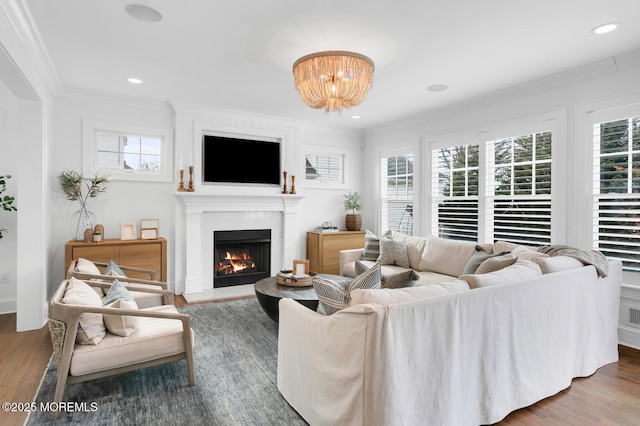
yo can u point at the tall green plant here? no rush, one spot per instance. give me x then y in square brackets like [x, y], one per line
[5, 201]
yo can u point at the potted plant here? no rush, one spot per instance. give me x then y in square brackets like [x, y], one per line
[6, 202]
[71, 183]
[353, 220]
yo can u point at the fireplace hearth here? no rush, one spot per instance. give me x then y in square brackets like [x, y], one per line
[241, 256]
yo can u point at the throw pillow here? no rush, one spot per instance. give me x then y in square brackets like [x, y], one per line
[408, 294]
[91, 329]
[400, 280]
[477, 259]
[113, 270]
[519, 270]
[371, 246]
[117, 291]
[495, 264]
[396, 280]
[334, 292]
[121, 325]
[85, 266]
[393, 252]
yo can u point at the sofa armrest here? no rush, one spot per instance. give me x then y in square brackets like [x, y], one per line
[348, 256]
[318, 354]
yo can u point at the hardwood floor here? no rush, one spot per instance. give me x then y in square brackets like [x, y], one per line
[611, 396]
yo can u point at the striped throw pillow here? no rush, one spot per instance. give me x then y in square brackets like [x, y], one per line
[334, 291]
[371, 246]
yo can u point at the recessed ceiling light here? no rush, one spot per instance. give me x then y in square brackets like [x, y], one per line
[437, 87]
[143, 13]
[133, 80]
[606, 28]
[355, 117]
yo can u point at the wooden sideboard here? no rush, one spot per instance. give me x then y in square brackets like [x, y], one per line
[146, 254]
[323, 249]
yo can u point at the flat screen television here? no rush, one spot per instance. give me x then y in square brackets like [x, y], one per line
[238, 160]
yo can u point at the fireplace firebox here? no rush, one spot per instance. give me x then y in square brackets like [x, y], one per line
[241, 256]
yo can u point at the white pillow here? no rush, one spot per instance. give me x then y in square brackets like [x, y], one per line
[389, 296]
[519, 270]
[121, 325]
[91, 328]
[445, 256]
[87, 267]
[557, 263]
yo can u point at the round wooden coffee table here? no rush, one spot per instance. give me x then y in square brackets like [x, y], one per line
[269, 293]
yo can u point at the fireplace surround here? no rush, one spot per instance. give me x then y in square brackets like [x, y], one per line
[198, 214]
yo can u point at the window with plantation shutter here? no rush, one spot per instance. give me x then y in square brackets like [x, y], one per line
[455, 178]
[494, 190]
[397, 193]
[127, 152]
[519, 189]
[616, 190]
[324, 167]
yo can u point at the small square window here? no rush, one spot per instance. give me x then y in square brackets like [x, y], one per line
[126, 152]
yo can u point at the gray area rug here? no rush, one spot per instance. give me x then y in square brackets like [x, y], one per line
[235, 357]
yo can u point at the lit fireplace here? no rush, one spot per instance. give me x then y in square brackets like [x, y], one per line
[235, 264]
[241, 257]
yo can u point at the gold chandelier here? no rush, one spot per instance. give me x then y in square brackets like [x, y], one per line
[333, 80]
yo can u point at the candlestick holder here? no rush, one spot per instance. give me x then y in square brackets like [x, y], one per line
[190, 187]
[284, 188]
[293, 185]
[181, 186]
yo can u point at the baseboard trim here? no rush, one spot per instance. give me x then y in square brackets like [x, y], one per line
[8, 306]
[629, 336]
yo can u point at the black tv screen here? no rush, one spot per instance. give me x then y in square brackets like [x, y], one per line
[235, 160]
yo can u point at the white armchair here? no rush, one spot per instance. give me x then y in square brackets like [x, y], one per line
[143, 337]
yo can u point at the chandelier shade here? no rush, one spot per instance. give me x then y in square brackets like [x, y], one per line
[333, 80]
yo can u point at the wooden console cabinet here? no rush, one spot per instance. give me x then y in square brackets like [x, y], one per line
[147, 254]
[323, 249]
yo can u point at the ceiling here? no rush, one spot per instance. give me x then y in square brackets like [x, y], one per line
[238, 54]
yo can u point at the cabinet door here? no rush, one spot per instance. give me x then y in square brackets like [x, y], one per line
[332, 246]
[97, 253]
[146, 256]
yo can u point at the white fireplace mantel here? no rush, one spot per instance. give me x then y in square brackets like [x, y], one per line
[189, 236]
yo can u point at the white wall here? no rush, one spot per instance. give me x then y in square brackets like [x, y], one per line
[8, 220]
[132, 201]
[569, 95]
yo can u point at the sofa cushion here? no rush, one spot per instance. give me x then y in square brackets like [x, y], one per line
[428, 278]
[527, 253]
[334, 291]
[155, 338]
[405, 278]
[371, 246]
[445, 256]
[393, 252]
[121, 325]
[552, 264]
[493, 264]
[407, 294]
[519, 270]
[91, 328]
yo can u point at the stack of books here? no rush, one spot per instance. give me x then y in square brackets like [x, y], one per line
[329, 229]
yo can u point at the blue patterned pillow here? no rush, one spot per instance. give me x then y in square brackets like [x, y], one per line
[334, 291]
[113, 269]
[117, 291]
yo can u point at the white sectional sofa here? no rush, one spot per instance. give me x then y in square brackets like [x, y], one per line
[441, 353]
